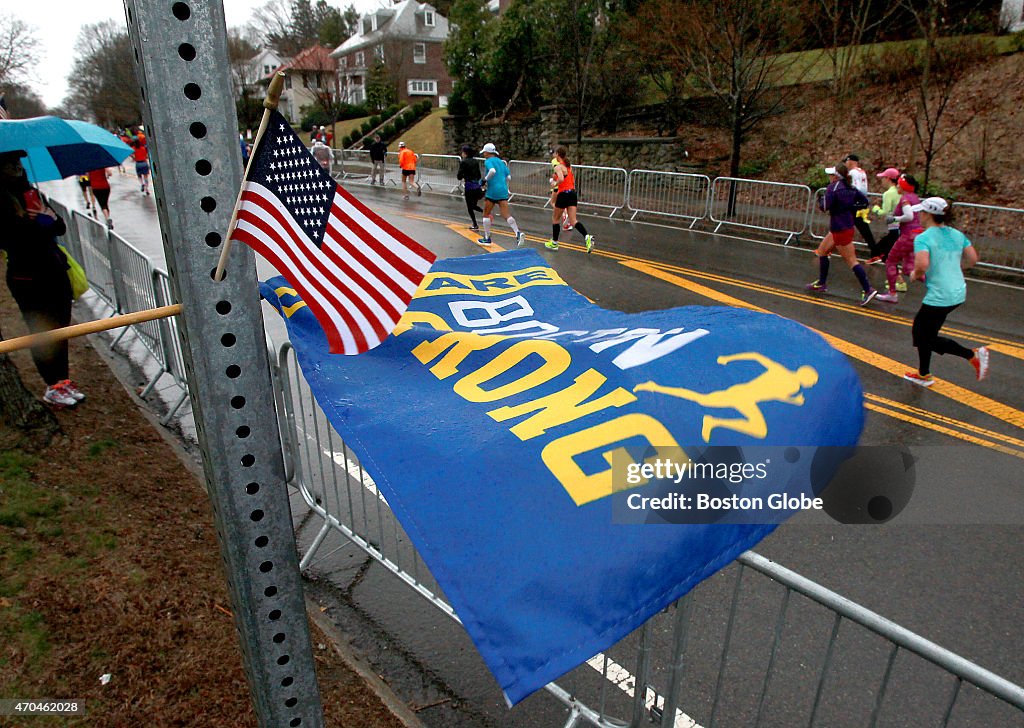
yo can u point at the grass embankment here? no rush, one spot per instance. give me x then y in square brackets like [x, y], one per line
[427, 136]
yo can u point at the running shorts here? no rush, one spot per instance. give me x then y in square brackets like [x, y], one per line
[408, 172]
[142, 168]
[842, 237]
[566, 199]
[102, 196]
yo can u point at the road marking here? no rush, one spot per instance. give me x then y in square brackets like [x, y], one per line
[955, 392]
[626, 682]
[945, 430]
[474, 235]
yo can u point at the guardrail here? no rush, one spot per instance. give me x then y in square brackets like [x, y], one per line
[700, 651]
[997, 231]
[770, 206]
[672, 194]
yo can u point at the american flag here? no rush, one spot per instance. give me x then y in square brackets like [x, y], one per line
[356, 272]
[3, 107]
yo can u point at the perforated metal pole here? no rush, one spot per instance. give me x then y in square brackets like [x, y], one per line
[182, 63]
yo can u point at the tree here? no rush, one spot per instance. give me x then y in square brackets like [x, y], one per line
[241, 49]
[290, 27]
[22, 102]
[731, 51]
[848, 24]
[103, 84]
[24, 421]
[945, 60]
[19, 50]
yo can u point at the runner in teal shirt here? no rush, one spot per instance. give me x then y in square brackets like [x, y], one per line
[940, 254]
[496, 177]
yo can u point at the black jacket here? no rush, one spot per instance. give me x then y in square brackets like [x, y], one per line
[378, 151]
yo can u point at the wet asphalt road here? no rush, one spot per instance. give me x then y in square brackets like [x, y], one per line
[950, 567]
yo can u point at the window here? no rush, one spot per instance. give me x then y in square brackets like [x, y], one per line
[378, 53]
[419, 53]
[428, 18]
[360, 59]
[365, 25]
[419, 87]
[266, 69]
[344, 62]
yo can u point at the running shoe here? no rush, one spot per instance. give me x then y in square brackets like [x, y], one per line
[817, 286]
[865, 298]
[980, 362]
[56, 396]
[520, 239]
[876, 260]
[551, 245]
[926, 380]
[405, 197]
[474, 227]
[69, 387]
[589, 242]
[484, 241]
[566, 225]
[888, 297]
[110, 224]
[901, 285]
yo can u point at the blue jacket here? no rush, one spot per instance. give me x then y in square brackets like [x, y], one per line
[841, 202]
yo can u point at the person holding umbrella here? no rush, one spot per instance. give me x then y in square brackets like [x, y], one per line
[37, 274]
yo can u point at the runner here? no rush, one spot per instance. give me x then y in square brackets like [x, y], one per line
[141, 160]
[469, 173]
[322, 154]
[840, 202]
[903, 251]
[566, 202]
[407, 159]
[99, 182]
[496, 193]
[554, 189]
[942, 252]
[890, 198]
[90, 200]
[861, 218]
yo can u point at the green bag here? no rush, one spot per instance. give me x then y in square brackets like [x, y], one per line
[76, 274]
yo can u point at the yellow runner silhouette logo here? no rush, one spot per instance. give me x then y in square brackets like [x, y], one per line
[775, 384]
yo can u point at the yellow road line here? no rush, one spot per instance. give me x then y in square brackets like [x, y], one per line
[944, 430]
[947, 389]
[944, 419]
[473, 236]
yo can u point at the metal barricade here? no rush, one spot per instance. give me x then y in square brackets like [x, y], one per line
[734, 608]
[998, 233]
[672, 194]
[70, 239]
[769, 206]
[170, 343]
[601, 187]
[531, 180]
[94, 241]
[133, 281]
[817, 222]
[355, 165]
[439, 173]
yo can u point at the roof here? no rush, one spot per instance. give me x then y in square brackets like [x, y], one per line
[314, 58]
[396, 21]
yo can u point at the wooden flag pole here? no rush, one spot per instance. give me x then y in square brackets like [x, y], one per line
[269, 104]
[89, 327]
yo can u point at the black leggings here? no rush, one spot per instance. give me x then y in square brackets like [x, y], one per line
[45, 305]
[886, 242]
[927, 323]
[865, 232]
[473, 197]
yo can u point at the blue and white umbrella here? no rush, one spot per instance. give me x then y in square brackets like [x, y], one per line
[58, 148]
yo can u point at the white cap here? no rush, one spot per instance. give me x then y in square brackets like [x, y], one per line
[401, 144]
[830, 170]
[489, 149]
[932, 205]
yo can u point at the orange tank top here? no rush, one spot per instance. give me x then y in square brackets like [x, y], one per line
[568, 182]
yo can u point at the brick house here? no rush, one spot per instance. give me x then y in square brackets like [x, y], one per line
[309, 76]
[400, 45]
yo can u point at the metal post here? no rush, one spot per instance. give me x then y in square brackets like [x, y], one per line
[180, 48]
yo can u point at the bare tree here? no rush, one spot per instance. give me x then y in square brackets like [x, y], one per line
[733, 51]
[19, 49]
[848, 24]
[103, 84]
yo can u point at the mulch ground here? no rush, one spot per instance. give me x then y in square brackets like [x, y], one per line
[109, 564]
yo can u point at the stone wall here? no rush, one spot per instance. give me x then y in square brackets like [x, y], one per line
[531, 138]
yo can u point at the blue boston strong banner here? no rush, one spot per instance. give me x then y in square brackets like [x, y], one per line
[507, 421]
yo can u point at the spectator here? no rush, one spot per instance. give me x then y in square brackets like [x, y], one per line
[322, 153]
[378, 156]
[37, 274]
[407, 160]
[861, 218]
